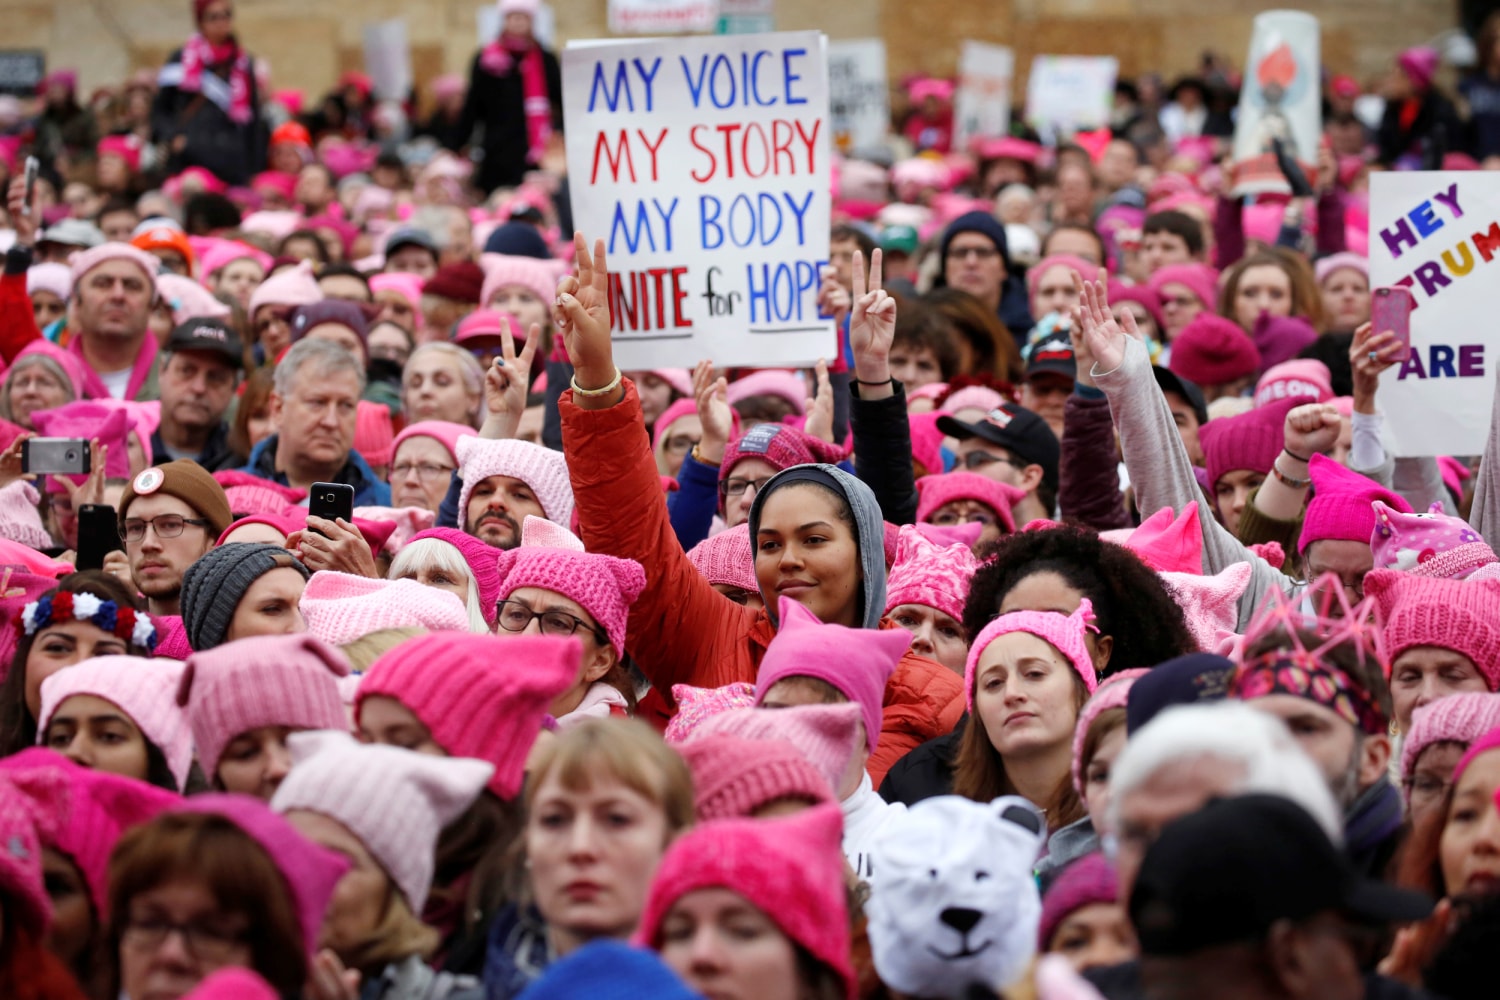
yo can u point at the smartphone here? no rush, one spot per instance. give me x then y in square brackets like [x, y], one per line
[331, 501]
[33, 167]
[1390, 311]
[98, 534]
[56, 456]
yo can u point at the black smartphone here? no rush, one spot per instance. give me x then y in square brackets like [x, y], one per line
[56, 456]
[98, 534]
[331, 501]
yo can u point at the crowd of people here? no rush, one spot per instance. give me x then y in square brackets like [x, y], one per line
[1071, 631]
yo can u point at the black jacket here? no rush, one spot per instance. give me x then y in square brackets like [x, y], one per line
[882, 452]
[925, 772]
[230, 151]
[496, 102]
[215, 457]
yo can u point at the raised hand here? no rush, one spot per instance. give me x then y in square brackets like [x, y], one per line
[582, 317]
[833, 299]
[1371, 353]
[10, 461]
[711, 392]
[505, 386]
[1312, 429]
[872, 326]
[92, 488]
[333, 545]
[820, 407]
[1103, 337]
[24, 223]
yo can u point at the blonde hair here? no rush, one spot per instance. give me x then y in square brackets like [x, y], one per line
[468, 369]
[396, 937]
[364, 651]
[626, 750]
[434, 553]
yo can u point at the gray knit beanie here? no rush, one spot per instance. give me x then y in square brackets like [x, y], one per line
[213, 586]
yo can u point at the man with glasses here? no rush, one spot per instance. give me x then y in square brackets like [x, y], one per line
[976, 259]
[200, 365]
[170, 516]
[1014, 446]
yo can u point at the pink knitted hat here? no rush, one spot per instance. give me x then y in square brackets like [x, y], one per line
[311, 871]
[927, 440]
[771, 382]
[479, 695]
[1303, 379]
[87, 419]
[1112, 692]
[408, 286]
[1037, 271]
[1249, 440]
[856, 661]
[232, 984]
[603, 585]
[142, 689]
[1484, 744]
[503, 270]
[941, 535]
[1430, 544]
[283, 680]
[1199, 279]
[825, 735]
[484, 323]
[481, 559]
[540, 468]
[249, 494]
[21, 861]
[973, 397]
[779, 444]
[445, 433]
[1342, 504]
[19, 518]
[1091, 879]
[926, 574]
[1167, 543]
[1456, 718]
[1461, 615]
[341, 607]
[734, 776]
[189, 300]
[935, 491]
[1063, 632]
[395, 801]
[54, 278]
[684, 408]
[697, 705]
[373, 434]
[1212, 350]
[727, 558]
[85, 261]
[791, 869]
[1210, 604]
[221, 253]
[293, 287]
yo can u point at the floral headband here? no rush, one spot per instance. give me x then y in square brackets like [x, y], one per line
[135, 627]
[1302, 675]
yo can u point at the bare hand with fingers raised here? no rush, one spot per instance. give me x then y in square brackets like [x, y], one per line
[505, 387]
[872, 328]
[1099, 332]
[582, 317]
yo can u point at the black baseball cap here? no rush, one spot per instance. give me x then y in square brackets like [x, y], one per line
[210, 335]
[1226, 873]
[1052, 356]
[1169, 381]
[1017, 430]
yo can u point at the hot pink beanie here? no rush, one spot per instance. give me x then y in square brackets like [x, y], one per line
[1342, 504]
[21, 862]
[503, 270]
[1245, 441]
[926, 439]
[780, 445]
[1037, 271]
[1091, 879]
[1063, 632]
[479, 695]
[442, 431]
[771, 382]
[929, 575]
[1484, 744]
[1303, 379]
[481, 559]
[20, 520]
[856, 661]
[790, 869]
[283, 680]
[1212, 350]
[1456, 718]
[1461, 615]
[727, 558]
[293, 287]
[540, 468]
[603, 585]
[1431, 544]
[935, 491]
[221, 253]
[142, 689]
[1199, 279]
[1168, 543]
[697, 705]
[341, 607]
[373, 434]
[1112, 692]
[734, 776]
[395, 801]
[232, 984]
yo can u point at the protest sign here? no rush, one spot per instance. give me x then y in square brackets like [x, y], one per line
[1439, 234]
[22, 71]
[746, 17]
[662, 17]
[859, 103]
[981, 106]
[1281, 98]
[1069, 93]
[388, 59]
[704, 165]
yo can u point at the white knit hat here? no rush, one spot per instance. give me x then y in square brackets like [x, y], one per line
[540, 468]
[342, 607]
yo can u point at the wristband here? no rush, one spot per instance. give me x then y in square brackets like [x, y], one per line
[1288, 481]
[1298, 457]
[614, 384]
[887, 381]
[697, 454]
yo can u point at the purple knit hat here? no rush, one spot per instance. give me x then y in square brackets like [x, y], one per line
[1212, 350]
[1431, 544]
[926, 574]
[145, 690]
[1091, 879]
[727, 558]
[1281, 338]
[1456, 718]
[856, 661]
[1460, 615]
[697, 705]
[482, 560]
[1342, 504]
[1063, 632]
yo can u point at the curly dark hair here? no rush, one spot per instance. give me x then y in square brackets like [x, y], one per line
[1131, 604]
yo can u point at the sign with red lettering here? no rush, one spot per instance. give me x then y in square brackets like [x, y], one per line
[662, 17]
[1438, 234]
[704, 165]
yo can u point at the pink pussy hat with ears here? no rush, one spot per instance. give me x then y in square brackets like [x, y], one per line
[1210, 604]
[1341, 507]
[696, 705]
[1431, 544]
[929, 575]
[1170, 544]
[283, 680]
[737, 777]
[541, 469]
[1063, 632]
[855, 661]
[342, 607]
[824, 734]
[395, 801]
[727, 558]
[480, 696]
[21, 863]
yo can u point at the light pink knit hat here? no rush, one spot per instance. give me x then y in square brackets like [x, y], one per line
[84, 261]
[342, 607]
[727, 558]
[825, 735]
[19, 518]
[1064, 633]
[142, 689]
[1210, 604]
[284, 680]
[734, 776]
[249, 494]
[935, 491]
[502, 270]
[395, 801]
[926, 574]
[1461, 615]
[696, 706]
[1112, 692]
[443, 432]
[771, 382]
[973, 397]
[1431, 544]
[186, 299]
[293, 287]
[1456, 718]
[542, 469]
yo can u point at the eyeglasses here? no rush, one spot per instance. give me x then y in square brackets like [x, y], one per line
[978, 253]
[736, 487]
[679, 443]
[979, 459]
[950, 517]
[513, 616]
[1179, 302]
[205, 943]
[425, 471]
[165, 526]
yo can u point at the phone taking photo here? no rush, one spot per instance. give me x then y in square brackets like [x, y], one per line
[55, 456]
[1390, 312]
[33, 168]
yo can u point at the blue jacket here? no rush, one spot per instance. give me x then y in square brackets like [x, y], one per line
[368, 490]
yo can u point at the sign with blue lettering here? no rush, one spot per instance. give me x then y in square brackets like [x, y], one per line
[704, 165]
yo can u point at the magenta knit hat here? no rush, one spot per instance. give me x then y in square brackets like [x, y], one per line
[479, 695]
[311, 871]
[503, 270]
[540, 468]
[232, 984]
[1112, 692]
[342, 607]
[395, 801]
[143, 689]
[1037, 271]
[825, 735]
[1484, 744]
[935, 491]
[1460, 615]
[21, 862]
[442, 431]
[373, 434]
[734, 776]
[926, 439]
[1144, 295]
[856, 661]
[1420, 64]
[249, 494]
[604, 586]
[727, 558]
[925, 574]
[293, 287]
[1200, 279]
[481, 559]
[1455, 718]
[1212, 350]
[1063, 632]
[1249, 440]
[88, 419]
[781, 445]
[790, 869]
[1304, 379]
[771, 382]
[697, 705]
[1091, 879]
[20, 520]
[283, 680]
[1430, 544]
[1342, 504]
[1279, 339]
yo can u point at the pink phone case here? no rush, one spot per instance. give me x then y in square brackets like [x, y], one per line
[1390, 310]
